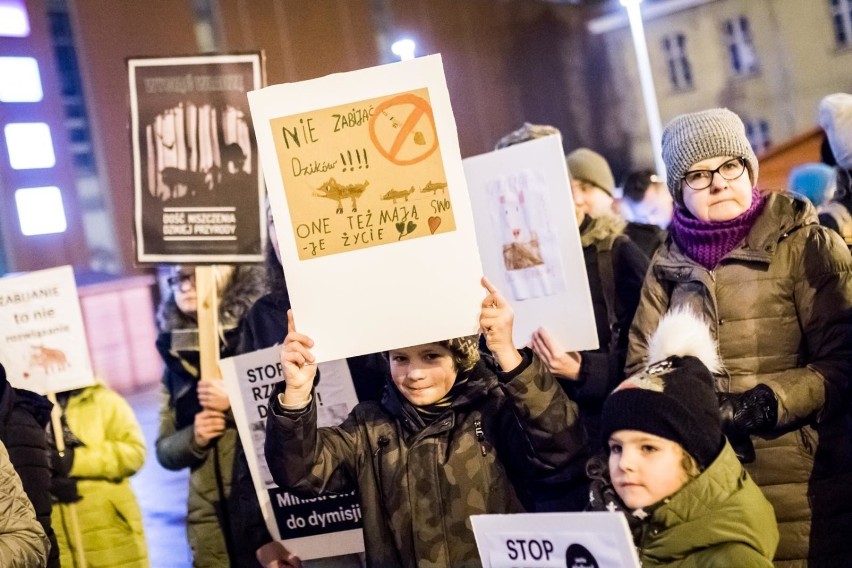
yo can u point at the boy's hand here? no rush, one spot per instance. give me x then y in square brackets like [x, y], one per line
[565, 364]
[495, 322]
[299, 364]
[274, 555]
[212, 395]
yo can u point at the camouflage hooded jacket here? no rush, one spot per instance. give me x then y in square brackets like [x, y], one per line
[420, 484]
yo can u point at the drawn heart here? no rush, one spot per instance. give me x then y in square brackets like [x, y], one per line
[411, 226]
[400, 227]
[434, 223]
[419, 139]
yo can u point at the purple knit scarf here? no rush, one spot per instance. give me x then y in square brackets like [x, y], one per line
[707, 242]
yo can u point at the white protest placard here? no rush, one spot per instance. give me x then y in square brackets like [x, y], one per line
[370, 203]
[529, 241]
[310, 528]
[43, 343]
[545, 540]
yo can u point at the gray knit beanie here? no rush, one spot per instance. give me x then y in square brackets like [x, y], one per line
[589, 166]
[690, 138]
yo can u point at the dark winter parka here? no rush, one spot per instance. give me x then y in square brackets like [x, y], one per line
[419, 483]
[210, 467]
[780, 307]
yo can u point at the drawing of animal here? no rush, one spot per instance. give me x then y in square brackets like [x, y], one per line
[194, 181]
[434, 187]
[49, 360]
[338, 192]
[395, 194]
[521, 247]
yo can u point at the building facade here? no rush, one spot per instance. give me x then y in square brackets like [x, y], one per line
[770, 61]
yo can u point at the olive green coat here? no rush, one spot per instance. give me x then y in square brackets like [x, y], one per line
[109, 516]
[718, 520]
[780, 306]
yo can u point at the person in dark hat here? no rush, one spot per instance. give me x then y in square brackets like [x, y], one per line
[668, 466]
[456, 434]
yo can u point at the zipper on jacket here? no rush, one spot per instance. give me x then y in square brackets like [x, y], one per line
[480, 435]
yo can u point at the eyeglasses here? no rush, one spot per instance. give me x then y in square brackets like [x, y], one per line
[182, 282]
[702, 179]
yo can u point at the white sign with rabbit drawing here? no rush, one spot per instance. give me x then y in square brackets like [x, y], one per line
[529, 241]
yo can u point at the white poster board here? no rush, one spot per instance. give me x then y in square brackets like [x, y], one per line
[43, 344]
[529, 241]
[371, 209]
[544, 540]
[310, 528]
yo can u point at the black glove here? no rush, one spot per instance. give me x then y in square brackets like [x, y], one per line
[754, 411]
[61, 464]
[64, 489]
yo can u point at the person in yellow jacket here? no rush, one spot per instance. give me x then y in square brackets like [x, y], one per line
[104, 447]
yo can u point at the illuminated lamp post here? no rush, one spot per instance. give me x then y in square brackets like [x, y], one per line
[649, 95]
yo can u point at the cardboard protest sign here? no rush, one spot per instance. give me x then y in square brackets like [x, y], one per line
[371, 208]
[529, 241]
[310, 528]
[198, 188]
[43, 344]
[544, 540]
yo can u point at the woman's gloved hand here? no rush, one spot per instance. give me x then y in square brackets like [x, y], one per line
[754, 411]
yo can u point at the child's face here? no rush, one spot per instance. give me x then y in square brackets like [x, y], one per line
[423, 373]
[644, 468]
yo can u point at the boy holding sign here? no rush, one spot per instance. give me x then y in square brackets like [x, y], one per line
[455, 435]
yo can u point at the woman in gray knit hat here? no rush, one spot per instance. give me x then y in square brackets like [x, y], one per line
[777, 289]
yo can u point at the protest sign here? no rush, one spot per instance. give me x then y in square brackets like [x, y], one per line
[371, 207]
[563, 540]
[310, 528]
[198, 188]
[43, 344]
[529, 241]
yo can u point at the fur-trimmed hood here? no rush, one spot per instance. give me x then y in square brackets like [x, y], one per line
[594, 229]
[246, 285]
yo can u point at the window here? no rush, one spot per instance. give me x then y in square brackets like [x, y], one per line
[841, 15]
[740, 46]
[757, 132]
[680, 70]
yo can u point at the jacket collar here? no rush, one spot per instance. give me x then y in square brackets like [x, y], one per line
[782, 214]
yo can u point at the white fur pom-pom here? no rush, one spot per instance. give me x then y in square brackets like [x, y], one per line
[682, 332]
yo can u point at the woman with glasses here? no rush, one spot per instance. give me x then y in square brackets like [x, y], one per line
[776, 289]
[197, 429]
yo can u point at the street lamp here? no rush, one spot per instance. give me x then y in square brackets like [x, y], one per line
[404, 49]
[649, 95]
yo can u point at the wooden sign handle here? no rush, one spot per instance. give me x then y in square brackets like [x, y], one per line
[208, 321]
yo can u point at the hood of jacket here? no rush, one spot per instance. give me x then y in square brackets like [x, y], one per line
[468, 388]
[594, 229]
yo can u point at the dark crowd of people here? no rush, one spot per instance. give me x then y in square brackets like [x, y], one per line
[716, 414]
